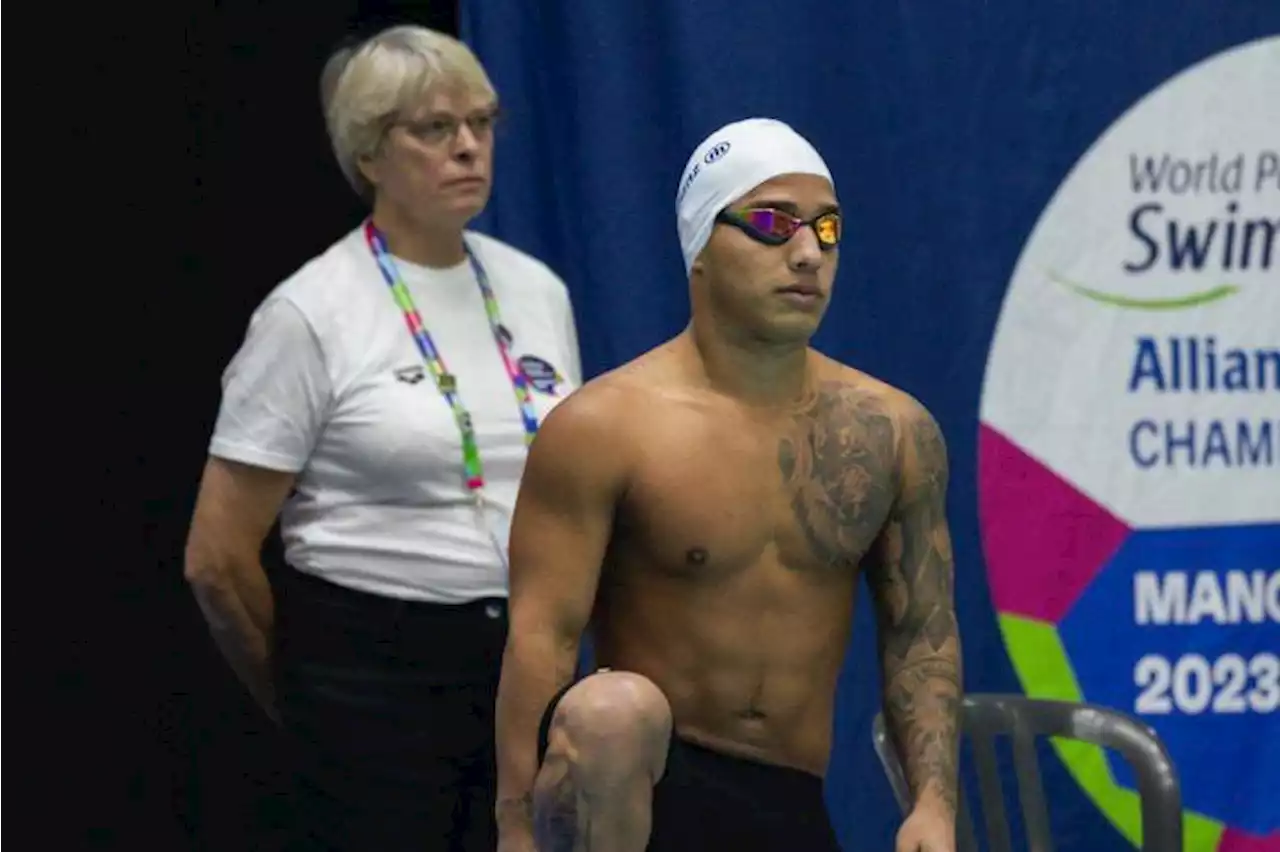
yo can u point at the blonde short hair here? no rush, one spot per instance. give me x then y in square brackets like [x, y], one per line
[362, 87]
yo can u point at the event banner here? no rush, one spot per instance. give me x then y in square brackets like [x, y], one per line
[1129, 454]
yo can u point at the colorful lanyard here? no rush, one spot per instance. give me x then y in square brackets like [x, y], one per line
[446, 382]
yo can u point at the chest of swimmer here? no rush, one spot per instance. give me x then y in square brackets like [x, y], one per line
[808, 493]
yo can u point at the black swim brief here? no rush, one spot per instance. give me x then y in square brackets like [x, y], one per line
[707, 800]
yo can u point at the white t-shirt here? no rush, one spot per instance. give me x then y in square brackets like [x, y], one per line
[330, 385]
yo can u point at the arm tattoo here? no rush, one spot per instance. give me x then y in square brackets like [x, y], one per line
[912, 585]
[868, 482]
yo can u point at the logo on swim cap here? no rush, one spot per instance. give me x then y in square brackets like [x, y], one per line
[717, 152]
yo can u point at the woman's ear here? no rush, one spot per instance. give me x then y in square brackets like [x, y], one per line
[369, 165]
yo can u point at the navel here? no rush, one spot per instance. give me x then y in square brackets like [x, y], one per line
[696, 556]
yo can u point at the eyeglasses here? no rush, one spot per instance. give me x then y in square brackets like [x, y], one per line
[439, 129]
[774, 227]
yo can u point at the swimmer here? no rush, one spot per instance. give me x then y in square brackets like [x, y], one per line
[706, 510]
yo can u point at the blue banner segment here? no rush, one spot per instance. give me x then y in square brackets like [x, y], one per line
[1182, 629]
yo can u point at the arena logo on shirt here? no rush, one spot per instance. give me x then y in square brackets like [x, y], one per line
[411, 375]
[544, 377]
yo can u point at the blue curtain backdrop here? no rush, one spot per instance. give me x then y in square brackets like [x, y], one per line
[947, 125]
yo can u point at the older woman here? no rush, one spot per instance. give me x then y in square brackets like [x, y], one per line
[382, 403]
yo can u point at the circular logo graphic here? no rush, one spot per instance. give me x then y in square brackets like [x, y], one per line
[1129, 450]
[540, 374]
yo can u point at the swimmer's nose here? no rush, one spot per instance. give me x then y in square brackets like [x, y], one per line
[803, 251]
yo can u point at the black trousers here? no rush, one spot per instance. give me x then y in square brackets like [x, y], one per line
[389, 709]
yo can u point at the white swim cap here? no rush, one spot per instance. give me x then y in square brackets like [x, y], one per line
[730, 163]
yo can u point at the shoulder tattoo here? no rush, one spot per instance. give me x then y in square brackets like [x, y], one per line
[838, 465]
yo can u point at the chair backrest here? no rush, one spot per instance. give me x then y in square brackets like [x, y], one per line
[1023, 719]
